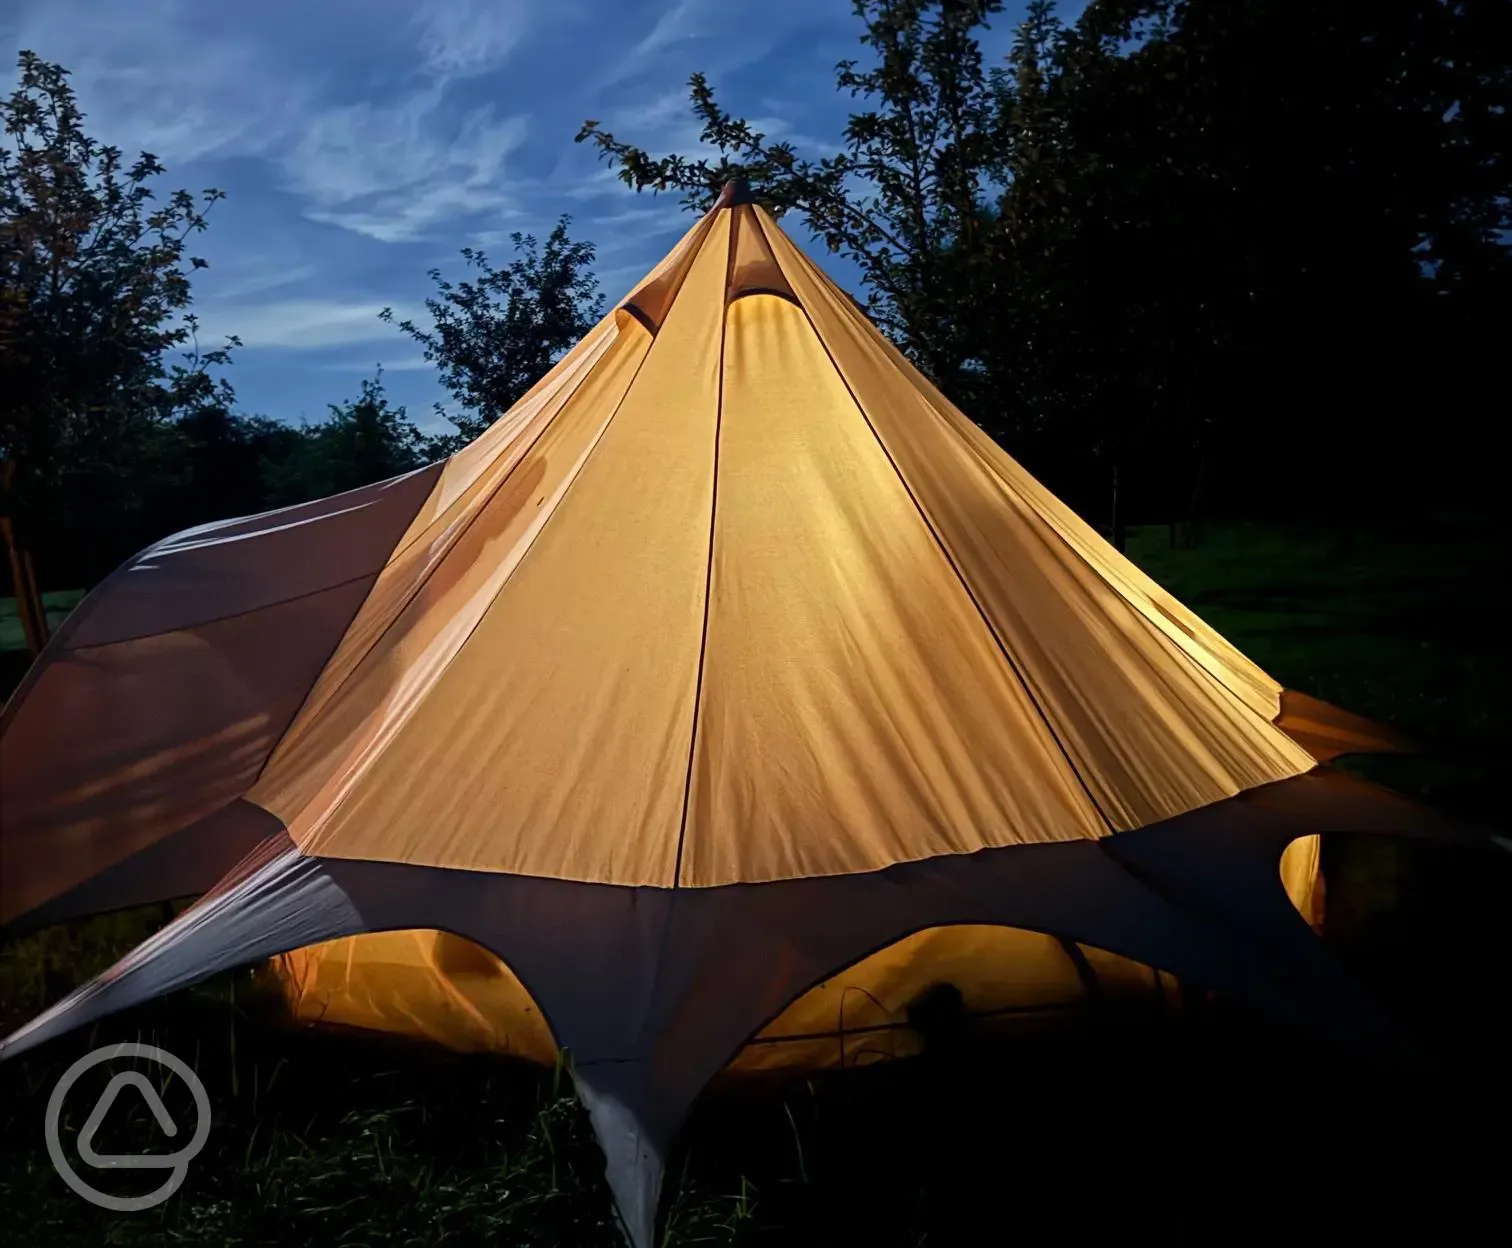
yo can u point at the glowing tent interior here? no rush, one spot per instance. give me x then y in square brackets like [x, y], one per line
[732, 656]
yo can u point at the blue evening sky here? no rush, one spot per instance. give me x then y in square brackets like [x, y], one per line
[363, 142]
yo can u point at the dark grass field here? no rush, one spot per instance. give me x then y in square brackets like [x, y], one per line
[1207, 1127]
[13, 659]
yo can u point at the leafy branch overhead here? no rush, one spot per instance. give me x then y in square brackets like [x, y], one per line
[1121, 248]
[1153, 250]
[904, 197]
[495, 336]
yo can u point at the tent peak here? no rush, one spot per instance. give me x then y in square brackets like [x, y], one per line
[735, 192]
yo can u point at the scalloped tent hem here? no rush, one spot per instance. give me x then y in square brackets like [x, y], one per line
[731, 655]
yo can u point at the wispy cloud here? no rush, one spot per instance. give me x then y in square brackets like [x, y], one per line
[491, 238]
[602, 182]
[367, 364]
[391, 172]
[681, 21]
[409, 364]
[303, 324]
[151, 82]
[460, 38]
[394, 171]
[723, 36]
[259, 277]
[661, 112]
[632, 217]
[388, 133]
[155, 76]
[664, 124]
[777, 129]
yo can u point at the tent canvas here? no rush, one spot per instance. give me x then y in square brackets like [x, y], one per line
[731, 656]
[443, 989]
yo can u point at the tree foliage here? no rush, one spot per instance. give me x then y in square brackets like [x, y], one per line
[210, 463]
[94, 292]
[493, 337]
[1238, 249]
[116, 427]
[362, 441]
[1169, 235]
[906, 197]
[96, 287]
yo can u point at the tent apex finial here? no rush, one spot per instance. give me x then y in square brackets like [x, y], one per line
[736, 192]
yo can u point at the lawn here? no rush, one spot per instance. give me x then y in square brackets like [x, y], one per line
[1406, 629]
[1211, 1127]
[57, 606]
[13, 657]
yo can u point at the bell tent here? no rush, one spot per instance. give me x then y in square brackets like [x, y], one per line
[731, 669]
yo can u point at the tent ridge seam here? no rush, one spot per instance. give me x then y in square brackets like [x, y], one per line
[1137, 599]
[1141, 615]
[504, 584]
[305, 701]
[440, 466]
[703, 636]
[956, 572]
[483, 505]
[1138, 607]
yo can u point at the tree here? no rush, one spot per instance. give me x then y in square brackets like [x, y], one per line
[908, 197]
[1261, 196]
[93, 298]
[954, 194]
[364, 440]
[211, 463]
[1172, 236]
[493, 338]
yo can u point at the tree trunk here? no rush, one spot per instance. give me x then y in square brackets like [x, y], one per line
[28, 601]
[29, 608]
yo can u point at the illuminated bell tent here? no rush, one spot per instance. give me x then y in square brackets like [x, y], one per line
[729, 692]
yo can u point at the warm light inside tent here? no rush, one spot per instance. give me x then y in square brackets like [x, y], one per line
[436, 987]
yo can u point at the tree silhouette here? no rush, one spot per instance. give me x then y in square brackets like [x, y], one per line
[495, 336]
[95, 282]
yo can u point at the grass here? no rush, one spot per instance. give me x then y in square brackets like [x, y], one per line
[1406, 629]
[1211, 1127]
[57, 605]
